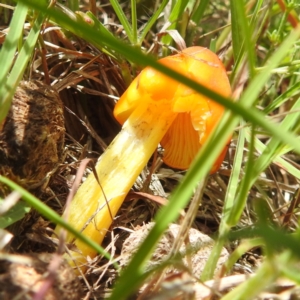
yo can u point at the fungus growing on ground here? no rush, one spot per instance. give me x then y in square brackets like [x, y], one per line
[196, 115]
[154, 109]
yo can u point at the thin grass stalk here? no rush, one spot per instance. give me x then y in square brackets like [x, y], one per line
[123, 20]
[7, 54]
[265, 275]
[8, 89]
[260, 147]
[151, 21]
[242, 34]
[244, 247]
[245, 185]
[229, 201]
[274, 147]
[73, 5]
[174, 18]
[134, 23]
[51, 215]
[199, 10]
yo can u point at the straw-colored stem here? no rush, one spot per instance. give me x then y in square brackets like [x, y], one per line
[117, 170]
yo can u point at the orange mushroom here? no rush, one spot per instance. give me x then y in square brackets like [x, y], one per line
[154, 109]
[196, 115]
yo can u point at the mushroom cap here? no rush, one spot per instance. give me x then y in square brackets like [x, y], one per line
[197, 115]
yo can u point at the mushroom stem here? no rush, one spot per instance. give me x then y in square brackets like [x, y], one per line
[117, 170]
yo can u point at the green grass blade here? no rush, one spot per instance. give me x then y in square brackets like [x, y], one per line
[134, 22]
[14, 214]
[255, 17]
[274, 146]
[244, 187]
[242, 34]
[243, 247]
[8, 51]
[251, 287]
[102, 31]
[257, 84]
[199, 11]
[233, 184]
[7, 90]
[238, 46]
[51, 214]
[237, 34]
[73, 5]
[174, 18]
[261, 147]
[151, 21]
[273, 266]
[289, 93]
[264, 160]
[123, 20]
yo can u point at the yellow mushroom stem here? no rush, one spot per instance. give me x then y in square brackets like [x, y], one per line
[117, 170]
